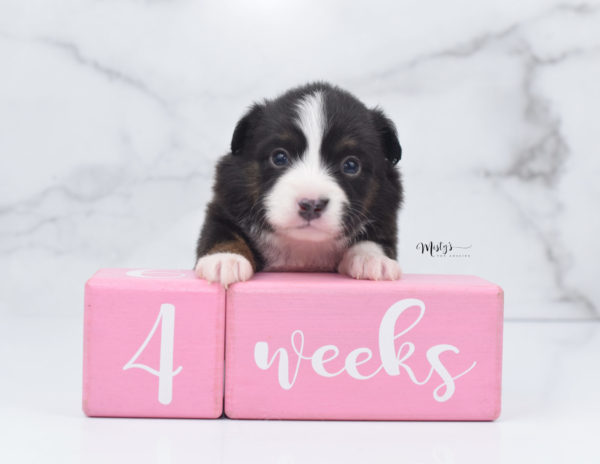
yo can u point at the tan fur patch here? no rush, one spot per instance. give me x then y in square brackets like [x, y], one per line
[284, 136]
[372, 189]
[238, 246]
[253, 176]
[346, 143]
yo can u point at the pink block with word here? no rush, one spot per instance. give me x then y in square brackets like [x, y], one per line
[153, 345]
[324, 346]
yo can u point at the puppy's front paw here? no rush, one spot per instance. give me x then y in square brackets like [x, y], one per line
[367, 261]
[225, 268]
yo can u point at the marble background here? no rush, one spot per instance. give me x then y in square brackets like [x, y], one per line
[112, 114]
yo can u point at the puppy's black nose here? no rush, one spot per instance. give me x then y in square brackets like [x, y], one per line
[312, 209]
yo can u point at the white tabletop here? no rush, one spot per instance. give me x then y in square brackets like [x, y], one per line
[550, 412]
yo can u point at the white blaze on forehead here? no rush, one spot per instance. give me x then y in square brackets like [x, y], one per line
[312, 120]
[307, 177]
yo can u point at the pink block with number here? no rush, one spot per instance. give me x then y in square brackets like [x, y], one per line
[323, 346]
[153, 345]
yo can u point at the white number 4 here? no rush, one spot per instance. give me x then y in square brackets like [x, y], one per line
[165, 371]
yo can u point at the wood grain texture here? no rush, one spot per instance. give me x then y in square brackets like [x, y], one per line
[132, 371]
[299, 346]
[323, 346]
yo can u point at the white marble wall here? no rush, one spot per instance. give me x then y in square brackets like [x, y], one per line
[112, 114]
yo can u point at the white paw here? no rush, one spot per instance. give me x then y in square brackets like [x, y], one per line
[225, 268]
[366, 260]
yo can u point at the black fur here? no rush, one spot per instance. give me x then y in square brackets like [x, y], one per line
[245, 175]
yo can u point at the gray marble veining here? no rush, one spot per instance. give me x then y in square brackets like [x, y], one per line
[113, 114]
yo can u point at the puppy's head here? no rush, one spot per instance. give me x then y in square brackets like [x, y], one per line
[316, 164]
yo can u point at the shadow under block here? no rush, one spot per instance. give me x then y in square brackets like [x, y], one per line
[323, 346]
[153, 345]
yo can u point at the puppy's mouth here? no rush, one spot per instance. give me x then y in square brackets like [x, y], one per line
[308, 231]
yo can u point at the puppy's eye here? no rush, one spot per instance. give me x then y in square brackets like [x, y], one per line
[351, 166]
[280, 157]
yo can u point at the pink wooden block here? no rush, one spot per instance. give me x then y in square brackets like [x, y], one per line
[323, 346]
[153, 345]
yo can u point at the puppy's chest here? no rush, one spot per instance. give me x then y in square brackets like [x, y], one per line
[282, 254]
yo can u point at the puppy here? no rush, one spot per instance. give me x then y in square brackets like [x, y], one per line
[310, 184]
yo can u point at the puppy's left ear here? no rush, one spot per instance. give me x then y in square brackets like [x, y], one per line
[388, 135]
[245, 126]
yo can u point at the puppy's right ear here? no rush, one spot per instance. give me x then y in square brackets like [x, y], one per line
[245, 126]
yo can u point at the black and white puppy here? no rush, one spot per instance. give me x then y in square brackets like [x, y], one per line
[310, 184]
